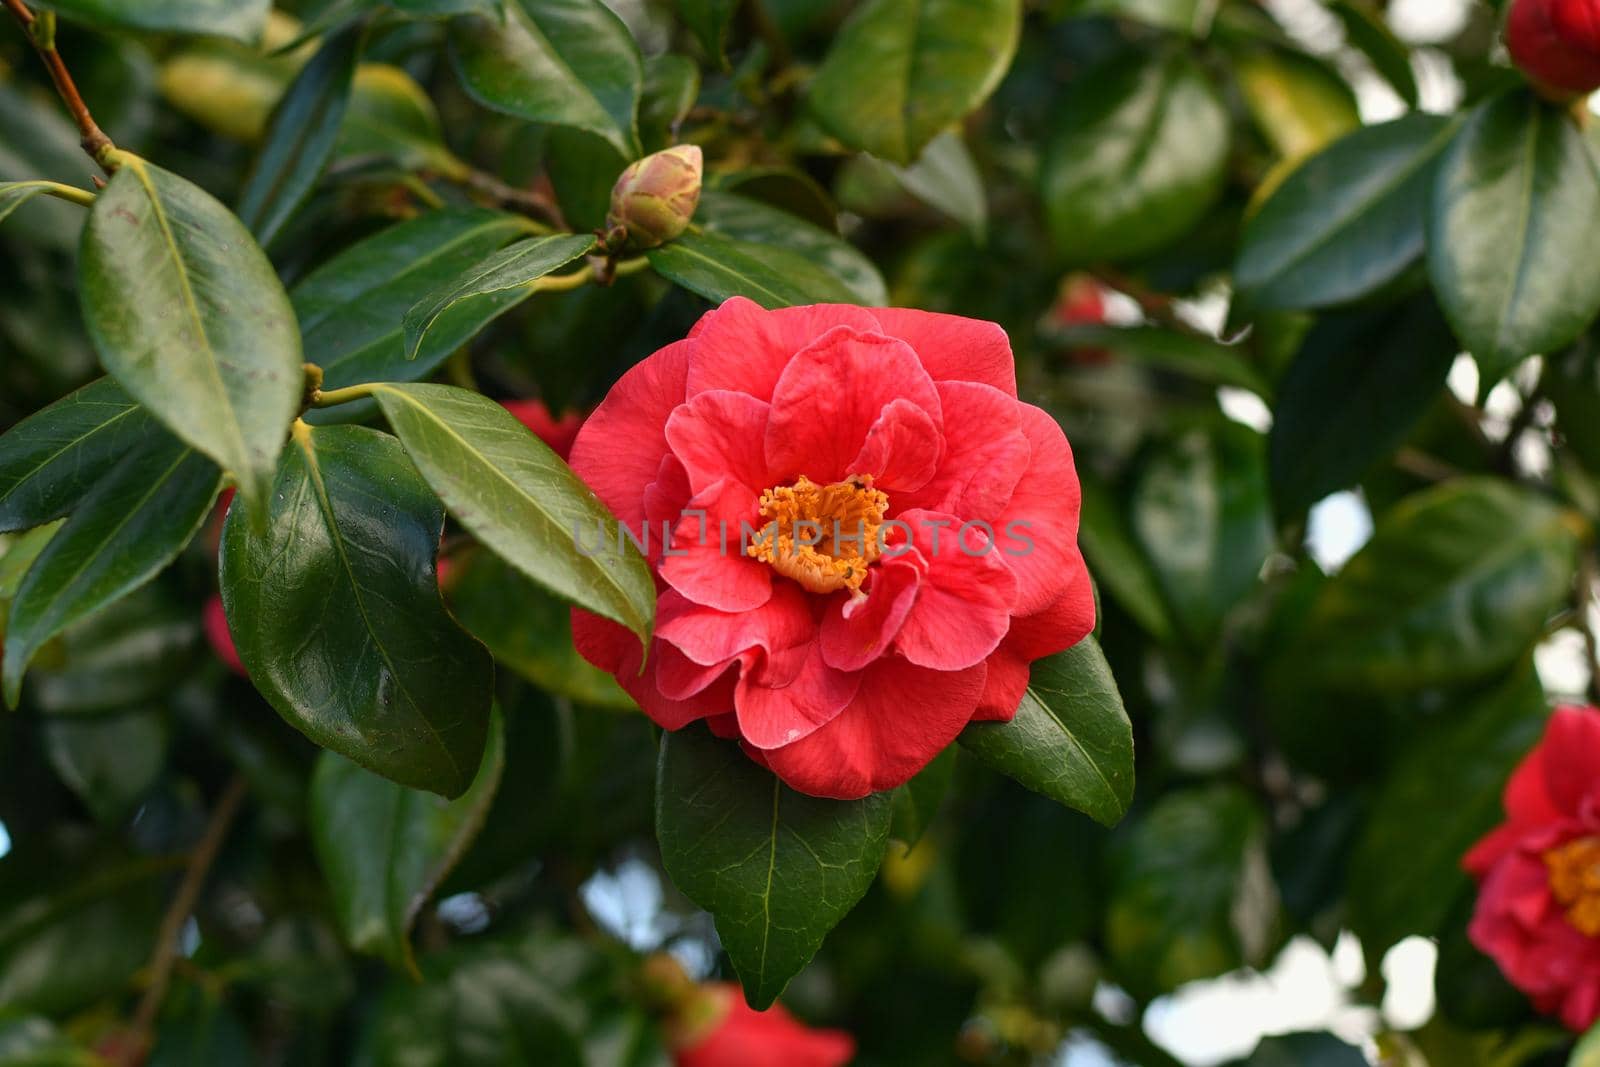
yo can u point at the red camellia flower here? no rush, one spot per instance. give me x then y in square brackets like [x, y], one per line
[217, 635]
[1538, 912]
[872, 538]
[1081, 301]
[1557, 43]
[557, 433]
[740, 1036]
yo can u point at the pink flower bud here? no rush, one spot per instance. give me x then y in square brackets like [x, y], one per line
[655, 198]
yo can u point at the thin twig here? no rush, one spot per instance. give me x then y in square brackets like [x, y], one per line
[41, 34]
[165, 956]
[508, 195]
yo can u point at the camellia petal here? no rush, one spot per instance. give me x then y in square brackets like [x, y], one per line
[742, 346]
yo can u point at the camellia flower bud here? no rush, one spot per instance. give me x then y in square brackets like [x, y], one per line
[655, 198]
[1557, 44]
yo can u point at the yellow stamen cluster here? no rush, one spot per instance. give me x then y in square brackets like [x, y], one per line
[842, 519]
[1575, 882]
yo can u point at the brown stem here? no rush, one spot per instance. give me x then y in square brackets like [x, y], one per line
[165, 956]
[93, 138]
[530, 200]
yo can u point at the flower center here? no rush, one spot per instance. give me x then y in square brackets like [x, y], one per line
[823, 536]
[1575, 882]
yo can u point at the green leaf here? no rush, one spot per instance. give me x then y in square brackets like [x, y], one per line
[528, 630]
[1155, 346]
[1441, 796]
[109, 761]
[1071, 740]
[945, 178]
[1136, 159]
[189, 318]
[242, 20]
[351, 308]
[1297, 102]
[1456, 584]
[708, 20]
[133, 653]
[717, 267]
[1516, 203]
[301, 135]
[819, 252]
[776, 869]
[1367, 31]
[514, 270]
[72, 932]
[1346, 222]
[335, 611]
[900, 71]
[1190, 895]
[1587, 1052]
[49, 460]
[1193, 17]
[1200, 511]
[127, 529]
[518, 498]
[391, 117]
[385, 849]
[1360, 382]
[37, 142]
[563, 62]
[17, 555]
[1305, 1050]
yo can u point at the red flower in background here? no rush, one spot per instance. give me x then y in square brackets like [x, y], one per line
[844, 666]
[1557, 42]
[1081, 301]
[218, 636]
[744, 1037]
[1538, 913]
[557, 433]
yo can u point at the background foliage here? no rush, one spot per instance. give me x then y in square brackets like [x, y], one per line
[1292, 221]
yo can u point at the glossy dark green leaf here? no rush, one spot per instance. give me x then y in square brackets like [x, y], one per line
[301, 135]
[582, 168]
[51, 459]
[335, 611]
[132, 653]
[1200, 511]
[1516, 202]
[1297, 102]
[1367, 31]
[1136, 159]
[1305, 1050]
[528, 630]
[918, 801]
[1457, 583]
[1347, 221]
[109, 761]
[73, 931]
[391, 117]
[1359, 384]
[242, 20]
[1071, 740]
[818, 251]
[127, 529]
[671, 84]
[519, 499]
[564, 62]
[189, 317]
[708, 20]
[775, 868]
[901, 71]
[1440, 797]
[385, 849]
[1155, 346]
[718, 267]
[512, 271]
[1190, 896]
[352, 308]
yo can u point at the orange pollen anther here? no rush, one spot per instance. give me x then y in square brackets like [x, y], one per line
[1575, 882]
[823, 536]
